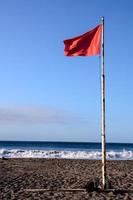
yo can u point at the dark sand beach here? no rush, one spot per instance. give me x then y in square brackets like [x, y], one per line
[19, 174]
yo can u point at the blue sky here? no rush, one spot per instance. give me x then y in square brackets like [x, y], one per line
[47, 96]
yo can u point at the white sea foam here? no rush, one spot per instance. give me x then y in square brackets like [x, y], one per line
[19, 153]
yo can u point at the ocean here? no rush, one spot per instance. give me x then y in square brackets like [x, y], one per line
[67, 150]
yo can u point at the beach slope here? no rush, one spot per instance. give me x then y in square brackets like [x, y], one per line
[16, 175]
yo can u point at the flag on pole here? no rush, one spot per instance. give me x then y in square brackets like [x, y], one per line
[87, 44]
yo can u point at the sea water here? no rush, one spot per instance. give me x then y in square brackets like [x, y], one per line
[70, 150]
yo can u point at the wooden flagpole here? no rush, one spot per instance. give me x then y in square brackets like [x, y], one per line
[103, 112]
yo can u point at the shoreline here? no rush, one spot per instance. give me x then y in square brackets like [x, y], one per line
[65, 154]
[84, 159]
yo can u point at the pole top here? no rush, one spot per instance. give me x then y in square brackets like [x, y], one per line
[102, 18]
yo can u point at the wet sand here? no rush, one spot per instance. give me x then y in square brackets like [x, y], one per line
[19, 174]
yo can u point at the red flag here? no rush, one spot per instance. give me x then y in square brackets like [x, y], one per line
[87, 44]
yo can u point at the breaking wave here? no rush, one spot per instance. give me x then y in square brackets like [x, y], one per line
[19, 153]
